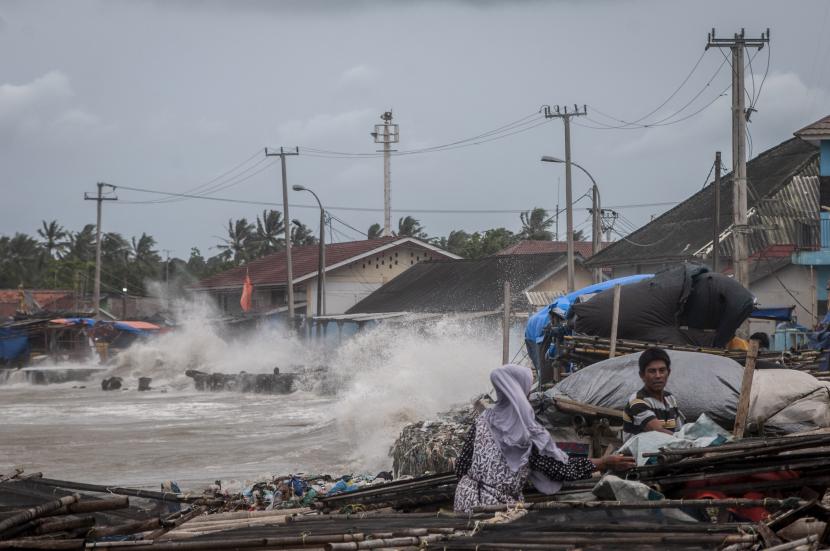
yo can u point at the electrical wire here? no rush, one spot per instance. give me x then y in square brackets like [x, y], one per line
[665, 121]
[201, 188]
[522, 124]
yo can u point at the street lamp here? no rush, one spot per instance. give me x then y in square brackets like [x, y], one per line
[321, 261]
[596, 233]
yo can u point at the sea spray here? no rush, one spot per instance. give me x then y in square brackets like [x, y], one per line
[201, 341]
[398, 373]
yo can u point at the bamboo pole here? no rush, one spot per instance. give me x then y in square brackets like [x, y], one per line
[147, 494]
[230, 543]
[655, 504]
[49, 544]
[795, 544]
[746, 390]
[505, 325]
[615, 321]
[92, 506]
[36, 512]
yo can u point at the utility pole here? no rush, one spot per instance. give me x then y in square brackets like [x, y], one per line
[166, 277]
[608, 217]
[737, 45]
[716, 225]
[387, 134]
[556, 213]
[286, 222]
[96, 294]
[569, 215]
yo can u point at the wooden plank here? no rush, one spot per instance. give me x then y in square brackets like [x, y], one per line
[746, 390]
[615, 321]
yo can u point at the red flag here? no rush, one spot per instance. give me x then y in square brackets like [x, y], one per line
[247, 293]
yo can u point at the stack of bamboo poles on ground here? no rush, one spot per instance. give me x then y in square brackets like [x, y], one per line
[407, 494]
[588, 350]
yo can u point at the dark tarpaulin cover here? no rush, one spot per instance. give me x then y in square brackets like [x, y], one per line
[656, 309]
[783, 400]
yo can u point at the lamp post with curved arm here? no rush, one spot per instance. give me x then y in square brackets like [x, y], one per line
[596, 233]
[321, 260]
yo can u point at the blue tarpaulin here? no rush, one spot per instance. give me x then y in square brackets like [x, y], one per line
[13, 344]
[535, 330]
[776, 313]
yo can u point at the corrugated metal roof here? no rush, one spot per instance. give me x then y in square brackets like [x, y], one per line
[442, 286]
[782, 202]
[583, 248]
[271, 269]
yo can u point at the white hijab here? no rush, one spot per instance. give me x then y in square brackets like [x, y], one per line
[514, 426]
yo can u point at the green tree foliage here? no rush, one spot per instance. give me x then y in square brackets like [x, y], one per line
[375, 231]
[270, 234]
[535, 225]
[302, 235]
[410, 227]
[238, 247]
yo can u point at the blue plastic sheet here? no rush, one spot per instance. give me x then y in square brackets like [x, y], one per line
[13, 344]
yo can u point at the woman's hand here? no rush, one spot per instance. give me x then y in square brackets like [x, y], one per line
[615, 462]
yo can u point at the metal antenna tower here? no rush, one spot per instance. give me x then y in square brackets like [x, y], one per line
[386, 134]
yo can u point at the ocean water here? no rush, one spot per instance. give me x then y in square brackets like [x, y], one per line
[382, 378]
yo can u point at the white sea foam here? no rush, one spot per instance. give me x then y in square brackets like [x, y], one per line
[384, 377]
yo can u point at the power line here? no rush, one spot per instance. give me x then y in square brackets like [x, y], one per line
[201, 188]
[660, 122]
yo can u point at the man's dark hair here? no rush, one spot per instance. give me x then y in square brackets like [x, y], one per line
[762, 338]
[651, 355]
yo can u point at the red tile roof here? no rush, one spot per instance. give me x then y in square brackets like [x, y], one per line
[583, 248]
[271, 269]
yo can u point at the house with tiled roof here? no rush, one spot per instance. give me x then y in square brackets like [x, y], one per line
[475, 286]
[784, 233]
[353, 270]
[31, 301]
[582, 248]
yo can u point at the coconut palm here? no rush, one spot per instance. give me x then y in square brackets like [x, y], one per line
[410, 227]
[82, 244]
[53, 238]
[19, 259]
[375, 231]
[302, 235]
[270, 231]
[236, 247]
[535, 224]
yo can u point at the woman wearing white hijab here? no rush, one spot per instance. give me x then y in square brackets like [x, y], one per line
[507, 446]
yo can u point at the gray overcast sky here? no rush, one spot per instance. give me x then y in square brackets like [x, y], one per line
[170, 94]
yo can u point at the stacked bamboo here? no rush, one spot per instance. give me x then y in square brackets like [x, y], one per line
[409, 494]
[588, 350]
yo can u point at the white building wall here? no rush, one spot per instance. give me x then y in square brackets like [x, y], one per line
[771, 292]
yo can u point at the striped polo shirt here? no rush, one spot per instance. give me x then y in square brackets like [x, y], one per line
[642, 408]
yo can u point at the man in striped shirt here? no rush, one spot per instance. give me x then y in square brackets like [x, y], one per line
[652, 408]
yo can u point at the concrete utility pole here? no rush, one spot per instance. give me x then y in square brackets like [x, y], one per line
[737, 45]
[569, 215]
[716, 225]
[387, 134]
[286, 222]
[96, 293]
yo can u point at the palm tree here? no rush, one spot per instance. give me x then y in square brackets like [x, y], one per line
[456, 242]
[270, 231]
[82, 244]
[53, 238]
[535, 224]
[410, 227]
[375, 231]
[302, 235]
[19, 257]
[236, 247]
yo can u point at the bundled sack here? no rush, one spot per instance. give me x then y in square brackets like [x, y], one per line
[686, 304]
[782, 400]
